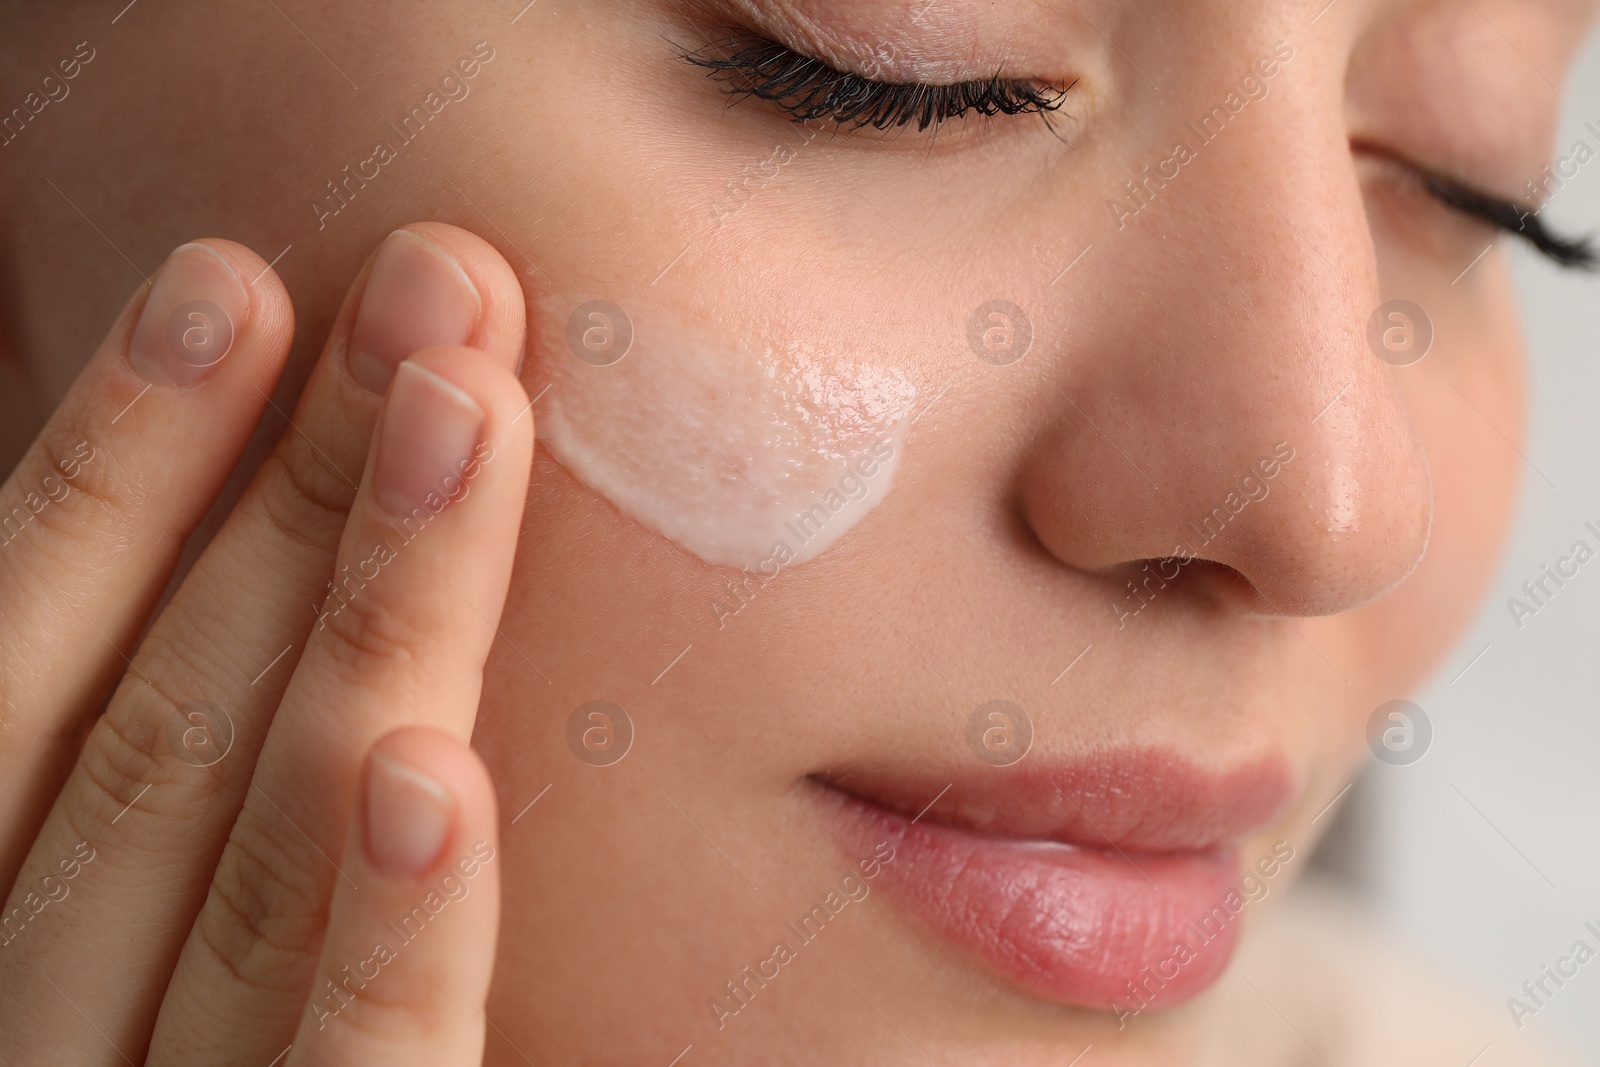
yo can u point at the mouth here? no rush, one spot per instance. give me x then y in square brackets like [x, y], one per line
[1112, 883]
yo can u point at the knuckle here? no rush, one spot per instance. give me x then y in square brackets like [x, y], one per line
[305, 497]
[119, 760]
[70, 490]
[392, 1009]
[129, 751]
[70, 456]
[365, 635]
[263, 921]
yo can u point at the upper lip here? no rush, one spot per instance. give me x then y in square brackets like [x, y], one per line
[1139, 799]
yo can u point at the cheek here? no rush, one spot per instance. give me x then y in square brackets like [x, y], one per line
[745, 448]
[1462, 403]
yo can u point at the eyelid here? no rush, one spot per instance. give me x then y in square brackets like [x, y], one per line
[874, 39]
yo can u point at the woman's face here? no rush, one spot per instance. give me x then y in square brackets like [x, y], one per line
[1102, 412]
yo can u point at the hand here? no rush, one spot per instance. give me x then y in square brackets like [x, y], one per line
[275, 845]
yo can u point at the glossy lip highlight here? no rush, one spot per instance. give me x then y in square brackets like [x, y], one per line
[1077, 880]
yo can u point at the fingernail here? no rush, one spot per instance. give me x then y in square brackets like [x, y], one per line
[407, 820]
[430, 429]
[189, 319]
[417, 295]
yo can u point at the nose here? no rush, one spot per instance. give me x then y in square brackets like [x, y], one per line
[1235, 416]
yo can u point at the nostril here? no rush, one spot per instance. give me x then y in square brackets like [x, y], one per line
[1149, 585]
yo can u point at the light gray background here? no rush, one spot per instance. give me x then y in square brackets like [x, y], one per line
[1499, 891]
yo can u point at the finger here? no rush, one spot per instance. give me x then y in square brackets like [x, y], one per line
[406, 964]
[154, 793]
[94, 517]
[402, 638]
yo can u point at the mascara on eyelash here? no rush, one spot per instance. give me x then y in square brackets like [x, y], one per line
[1514, 218]
[807, 89]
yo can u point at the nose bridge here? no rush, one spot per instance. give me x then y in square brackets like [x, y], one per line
[1238, 414]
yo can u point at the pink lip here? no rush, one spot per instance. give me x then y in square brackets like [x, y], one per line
[1109, 883]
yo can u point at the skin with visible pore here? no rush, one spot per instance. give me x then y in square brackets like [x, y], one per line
[1200, 488]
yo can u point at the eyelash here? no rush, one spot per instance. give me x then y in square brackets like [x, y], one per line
[808, 89]
[1514, 218]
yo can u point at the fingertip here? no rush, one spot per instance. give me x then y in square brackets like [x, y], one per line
[408, 957]
[491, 383]
[270, 322]
[432, 284]
[503, 322]
[438, 761]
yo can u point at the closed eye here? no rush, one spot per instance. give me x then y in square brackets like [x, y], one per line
[808, 90]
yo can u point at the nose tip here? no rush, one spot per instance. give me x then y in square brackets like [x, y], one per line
[1267, 439]
[1304, 518]
[1348, 518]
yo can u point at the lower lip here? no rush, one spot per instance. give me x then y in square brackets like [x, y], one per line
[1080, 926]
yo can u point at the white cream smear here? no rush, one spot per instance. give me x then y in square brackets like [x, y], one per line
[749, 454]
